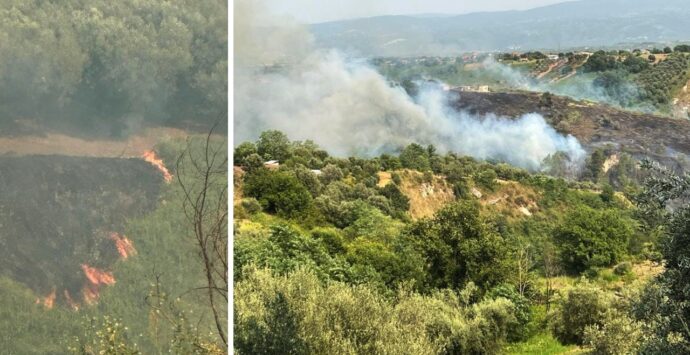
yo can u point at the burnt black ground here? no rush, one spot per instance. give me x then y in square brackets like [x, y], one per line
[56, 213]
[593, 124]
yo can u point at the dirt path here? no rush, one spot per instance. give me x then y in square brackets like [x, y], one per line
[557, 64]
[56, 143]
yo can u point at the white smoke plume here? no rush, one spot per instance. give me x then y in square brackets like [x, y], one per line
[578, 87]
[349, 108]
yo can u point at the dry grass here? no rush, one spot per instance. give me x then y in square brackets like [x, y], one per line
[61, 144]
[425, 197]
[511, 199]
[384, 178]
[237, 174]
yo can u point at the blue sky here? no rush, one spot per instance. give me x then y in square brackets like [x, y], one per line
[312, 11]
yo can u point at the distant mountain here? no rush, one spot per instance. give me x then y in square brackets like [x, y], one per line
[565, 25]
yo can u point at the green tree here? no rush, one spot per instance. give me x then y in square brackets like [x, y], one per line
[664, 306]
[399, 201]
[278, 192]
[330, 173]
[594, 166]
[684, 48]
[274, 145]
[600, 61]
[593, 238]
[460, 246]
[415, 157]
[242, 151]
[253, 162]
[583, 306]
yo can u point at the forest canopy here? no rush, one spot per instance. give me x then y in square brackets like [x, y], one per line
[109, 67]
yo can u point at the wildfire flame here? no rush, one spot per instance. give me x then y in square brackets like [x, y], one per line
[48, 301]
[150, 156]
[124, 246]
[97, 277]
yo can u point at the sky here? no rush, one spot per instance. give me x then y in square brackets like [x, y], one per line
[314, 11]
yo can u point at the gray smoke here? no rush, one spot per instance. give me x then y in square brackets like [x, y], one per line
[580, 87]
[349, 108]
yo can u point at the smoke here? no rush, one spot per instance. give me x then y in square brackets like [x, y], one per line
[349, 108]
[608, 88]
[525, 141]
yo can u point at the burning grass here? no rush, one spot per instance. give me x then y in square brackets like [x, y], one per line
[60, 217]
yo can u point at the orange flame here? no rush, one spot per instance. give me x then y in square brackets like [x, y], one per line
[124, 246]
[49, 301]
[98, 277]
[150, 156]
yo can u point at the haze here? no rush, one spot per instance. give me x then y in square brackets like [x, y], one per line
[314, 11]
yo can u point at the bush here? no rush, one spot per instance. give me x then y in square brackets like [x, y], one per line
[395, 177]
[487, 179]
[398, 200]
[298, 314]
[623, 268]
[593, 238]
[584, 305]
[460, 246]
[618, 335]
[250, 205]
[277, 192]
[331, 238]
[523, 313]
[415, 157]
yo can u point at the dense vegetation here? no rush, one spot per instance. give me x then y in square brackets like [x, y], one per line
[110, 67]
[333, 260]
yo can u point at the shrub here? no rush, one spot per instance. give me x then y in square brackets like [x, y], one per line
[487, 179]
[584, 305]
[593, 238]
[415, 157]
[396, 178]
[277, 192]
[331, 238]
[523, 313]
[298, 314]
[617, 335]
[250, 205]
[623, 268]
[460, 246]
[399, 201]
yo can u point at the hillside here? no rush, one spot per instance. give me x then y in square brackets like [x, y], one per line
[426, 197]
[565, 25]
[595, 125]
[427, 236]
[62, 221]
